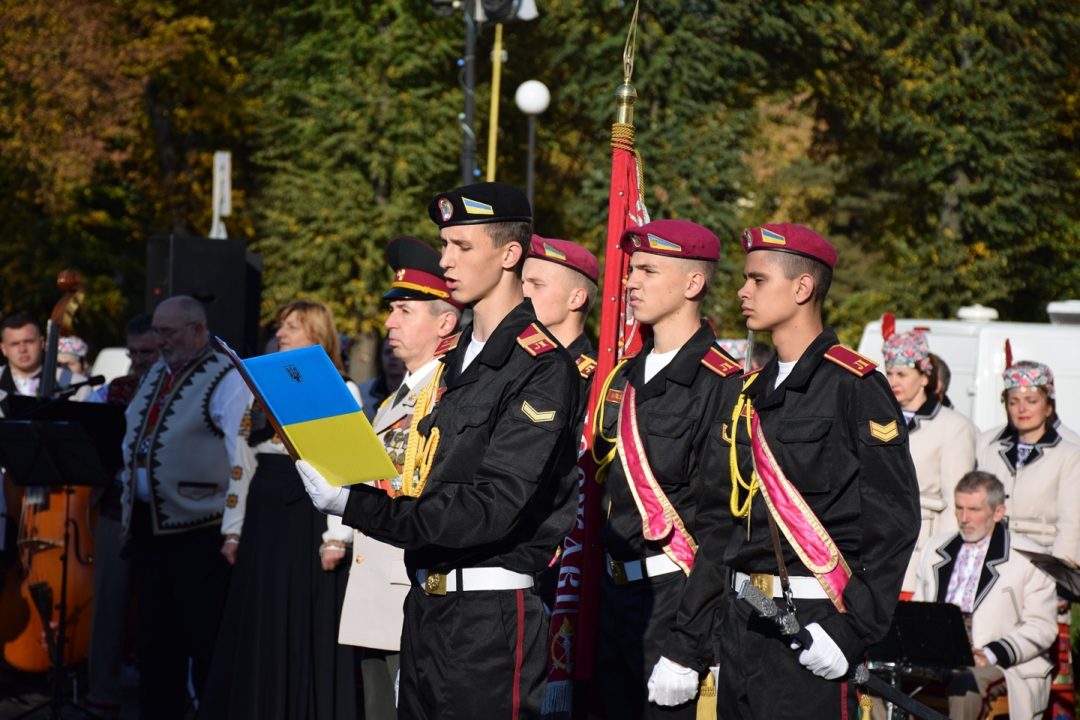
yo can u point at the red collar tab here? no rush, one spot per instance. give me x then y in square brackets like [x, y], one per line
[535, 341]
[850, 360]
[447, 345]
[586, 366]
[719, 363]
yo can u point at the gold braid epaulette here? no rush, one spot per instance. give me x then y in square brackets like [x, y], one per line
[419, 454]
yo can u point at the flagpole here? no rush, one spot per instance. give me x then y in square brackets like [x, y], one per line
[572, 638]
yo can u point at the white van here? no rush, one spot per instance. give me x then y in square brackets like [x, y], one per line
[974, 349]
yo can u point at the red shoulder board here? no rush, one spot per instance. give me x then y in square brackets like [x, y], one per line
[535, 341]
[719, 363]
[586, 366]
[848, 359]
[447, 345]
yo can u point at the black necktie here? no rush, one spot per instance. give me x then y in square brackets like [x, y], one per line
[401, 393]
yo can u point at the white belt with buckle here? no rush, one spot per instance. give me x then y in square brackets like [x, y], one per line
[802, 587]
[624, 571]
[482, 578]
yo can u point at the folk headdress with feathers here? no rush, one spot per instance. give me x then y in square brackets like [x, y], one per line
[909, 349]
[1026, 374]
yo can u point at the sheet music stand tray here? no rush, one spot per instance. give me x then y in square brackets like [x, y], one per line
[59, 445]
[926, 641]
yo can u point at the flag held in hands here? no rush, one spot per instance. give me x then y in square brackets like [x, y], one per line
[315, 414]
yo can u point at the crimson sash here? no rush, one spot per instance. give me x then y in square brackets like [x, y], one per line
[660, 522]
[801, 527]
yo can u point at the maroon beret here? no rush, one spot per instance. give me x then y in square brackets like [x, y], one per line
[785, 237]
[675, 238]
[566, 253]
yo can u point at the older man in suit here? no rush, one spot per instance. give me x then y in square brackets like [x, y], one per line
[1011, 605]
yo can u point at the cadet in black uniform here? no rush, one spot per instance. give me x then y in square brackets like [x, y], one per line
[500, 496]
[661, 420]
[837, 434]
[560, 277]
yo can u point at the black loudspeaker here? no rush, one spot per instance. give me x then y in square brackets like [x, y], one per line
[221, 274]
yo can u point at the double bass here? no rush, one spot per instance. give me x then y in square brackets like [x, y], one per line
[53, 521]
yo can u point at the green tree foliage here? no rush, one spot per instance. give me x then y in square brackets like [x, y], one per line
[358, 127]
[109, 113]
[955, 128]
[934, 143]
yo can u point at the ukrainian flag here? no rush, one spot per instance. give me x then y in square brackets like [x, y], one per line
[475, 207]
[551, 252]
[318, 415]
[772, 238]
[658, 243]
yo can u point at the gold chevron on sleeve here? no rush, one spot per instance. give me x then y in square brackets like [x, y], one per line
[885, 432]
[537, 416]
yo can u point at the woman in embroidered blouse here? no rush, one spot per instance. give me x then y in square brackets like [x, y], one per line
[1040, 469]
[277, 654]
[942, 441]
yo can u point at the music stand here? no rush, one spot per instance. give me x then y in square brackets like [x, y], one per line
[60, 445]
[925, 638]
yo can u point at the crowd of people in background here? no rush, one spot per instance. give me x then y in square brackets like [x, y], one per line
[255, 600]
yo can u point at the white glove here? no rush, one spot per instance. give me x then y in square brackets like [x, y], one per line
[824, 657]
[326, 498]
[672, 684]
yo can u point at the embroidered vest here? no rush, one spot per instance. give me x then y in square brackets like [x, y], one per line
[184, 452]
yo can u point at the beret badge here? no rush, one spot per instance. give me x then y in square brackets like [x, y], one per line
[446, 209]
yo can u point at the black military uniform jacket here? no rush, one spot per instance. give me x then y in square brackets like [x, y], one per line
[841, 439]
[584, 357]
[680, 421]
[502, 491]
[679, 414]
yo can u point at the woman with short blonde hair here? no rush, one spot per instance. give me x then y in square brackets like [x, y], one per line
[317, 321]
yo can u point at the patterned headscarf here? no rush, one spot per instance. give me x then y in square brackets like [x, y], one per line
[909, 349]
[72, 345]
[1028, 374]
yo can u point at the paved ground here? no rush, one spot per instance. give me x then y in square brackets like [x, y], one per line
[20, 693]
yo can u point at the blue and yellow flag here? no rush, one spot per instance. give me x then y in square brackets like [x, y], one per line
[312, 408]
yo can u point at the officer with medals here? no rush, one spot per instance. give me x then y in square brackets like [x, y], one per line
[824, 488]
[422, 315]
[560, 277]
[660, 427]
[495, 491]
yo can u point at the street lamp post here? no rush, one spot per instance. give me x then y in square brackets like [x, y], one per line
[532, 98]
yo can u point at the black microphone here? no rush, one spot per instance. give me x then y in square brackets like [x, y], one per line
[75, 387]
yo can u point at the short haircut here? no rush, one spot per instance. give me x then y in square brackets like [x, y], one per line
[591, 291]
[795, 265]
[19, 320]
[141, 324]
[438, 307]
[708, 269]
[192, 309]
[504, 233]
[979, 479]
[318, 322]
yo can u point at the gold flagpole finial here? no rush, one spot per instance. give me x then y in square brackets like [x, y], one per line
[626, 94]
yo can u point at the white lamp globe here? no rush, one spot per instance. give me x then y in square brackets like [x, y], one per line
[532, 97]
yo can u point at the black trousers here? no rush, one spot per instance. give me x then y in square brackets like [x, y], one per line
[634, 622]
[181, 582]
[468, 655]
[760, 676]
